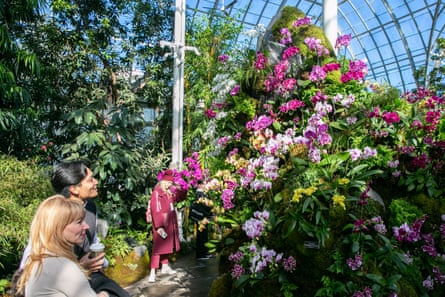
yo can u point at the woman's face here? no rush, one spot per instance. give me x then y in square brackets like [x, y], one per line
[75, 232]
[87, 188]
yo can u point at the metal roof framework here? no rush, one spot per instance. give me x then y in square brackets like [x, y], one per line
[394, 37]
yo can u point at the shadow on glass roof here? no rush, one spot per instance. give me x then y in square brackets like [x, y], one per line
[395, 37]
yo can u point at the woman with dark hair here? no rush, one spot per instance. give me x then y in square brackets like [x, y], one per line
[67, 174]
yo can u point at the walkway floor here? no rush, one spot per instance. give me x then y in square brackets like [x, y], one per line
[193, 279]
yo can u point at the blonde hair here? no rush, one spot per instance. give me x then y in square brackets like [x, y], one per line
[165, 185]
[46, 234]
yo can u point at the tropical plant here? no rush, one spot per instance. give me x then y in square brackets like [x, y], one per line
[4, 284]
[16, 62]
[213, 37]
[23, 186]
[435, 78]
[102, 66]
[325, 154]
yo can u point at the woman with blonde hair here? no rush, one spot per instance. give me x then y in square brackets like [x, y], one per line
[52, 268]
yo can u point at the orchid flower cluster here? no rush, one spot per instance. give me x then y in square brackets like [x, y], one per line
[410, 246]
[314, 147]
[255, 260]
[190, 176]
[415, 246]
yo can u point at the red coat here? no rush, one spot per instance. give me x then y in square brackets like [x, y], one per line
[164, 215]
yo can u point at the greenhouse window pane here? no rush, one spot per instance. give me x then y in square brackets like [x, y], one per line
[415, 5]
[409, 25]
[414, 41]
[423, 20]
[381, 12]
[397, 44]
[372, 22]
[400, 10]
[381, 38]
[256, 9]
[252, 19]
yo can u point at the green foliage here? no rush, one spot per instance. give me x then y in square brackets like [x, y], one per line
[330, 158]
[7, 120]
[288, 16]
[87, 107]
[89, 104]
[110, 145]
[119, 242]
[124, 171]
[402, 211]
[139, 237]
[116, 244]
[435, 79]
[24, 185]
[245, 107]
[4, 284]
[213, 37]
[16, 62]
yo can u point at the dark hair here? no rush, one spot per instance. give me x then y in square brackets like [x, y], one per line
[200, 194]
[67, 174]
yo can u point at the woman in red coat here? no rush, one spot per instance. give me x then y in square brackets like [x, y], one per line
[164, 223]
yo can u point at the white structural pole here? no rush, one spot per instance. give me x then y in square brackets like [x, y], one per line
[330, 27]
[178, 90]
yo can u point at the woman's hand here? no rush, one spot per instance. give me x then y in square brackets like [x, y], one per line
[162, 232]
[93, 264]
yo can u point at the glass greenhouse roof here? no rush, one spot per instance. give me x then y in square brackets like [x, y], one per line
[394, 37]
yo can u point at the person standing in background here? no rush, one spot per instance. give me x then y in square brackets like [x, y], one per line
[161, 209]
[52, 268]
[200, 214]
